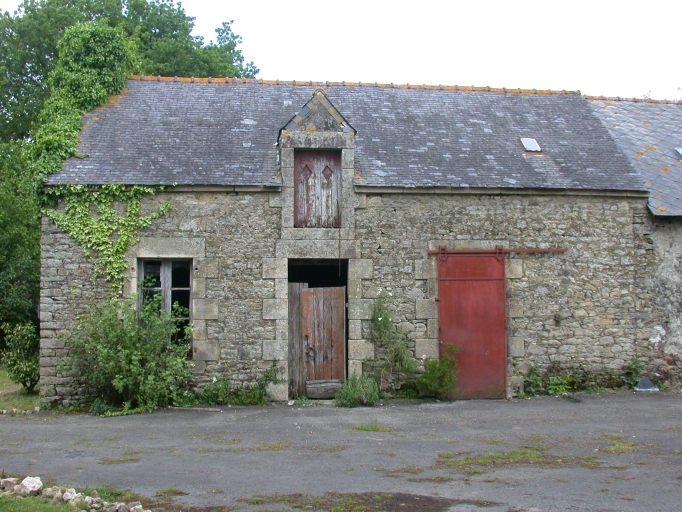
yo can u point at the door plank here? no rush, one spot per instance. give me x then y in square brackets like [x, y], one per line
[338, 300]
[297, 386]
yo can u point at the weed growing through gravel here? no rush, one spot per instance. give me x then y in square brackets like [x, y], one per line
[171, 491]
[119, 460]
[361, 502]
[432, 479]
[304, 401]
[524, 455]
[275, 447]
[373, 427]
[620, 447]
[327, 449]
[412, 470]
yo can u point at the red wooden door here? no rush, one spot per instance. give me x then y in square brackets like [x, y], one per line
[317, 189]
[472, 315]
[323, 333]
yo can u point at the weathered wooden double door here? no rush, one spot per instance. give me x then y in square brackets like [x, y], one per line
[317, 340]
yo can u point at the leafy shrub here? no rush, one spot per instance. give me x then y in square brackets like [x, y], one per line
[357, 391]
[632, 373]
[562, 381]
[532, 383]
[130, 360]
[398, 362]
[21, 355]
[439, 379]
[559, 385]
[218, 392]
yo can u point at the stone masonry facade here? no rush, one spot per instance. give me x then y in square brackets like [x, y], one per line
[592, 305]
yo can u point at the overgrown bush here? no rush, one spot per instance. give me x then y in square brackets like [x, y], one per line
[439, 379]
[357, 391]
[130, 360]
[632, 373]
[561, 381]
[21, 355]
[218, 392]
[398, 362]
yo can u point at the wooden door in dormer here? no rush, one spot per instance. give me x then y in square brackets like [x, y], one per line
[317, 189]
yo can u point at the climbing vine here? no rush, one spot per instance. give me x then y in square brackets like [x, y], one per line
[91, 218]
[105, 219]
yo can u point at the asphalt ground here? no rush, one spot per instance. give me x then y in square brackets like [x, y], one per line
[620, 451]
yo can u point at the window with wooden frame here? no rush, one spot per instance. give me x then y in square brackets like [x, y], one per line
[317, 189]
[172, 279]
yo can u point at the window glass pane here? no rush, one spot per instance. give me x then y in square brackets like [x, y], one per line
[151, 274]
[181, 273]
[182, 298]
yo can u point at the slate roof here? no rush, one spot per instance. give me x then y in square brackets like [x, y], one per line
[648, 133]
[166, 132]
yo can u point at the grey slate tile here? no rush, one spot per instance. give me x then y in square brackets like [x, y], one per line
[662, 130]
[224, 134]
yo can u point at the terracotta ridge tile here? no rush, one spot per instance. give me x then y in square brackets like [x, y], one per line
[631, 100]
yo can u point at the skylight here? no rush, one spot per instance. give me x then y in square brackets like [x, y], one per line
[679, 151]
[530, 144]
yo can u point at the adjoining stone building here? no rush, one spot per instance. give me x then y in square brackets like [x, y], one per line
[649, 134]
[506, 222]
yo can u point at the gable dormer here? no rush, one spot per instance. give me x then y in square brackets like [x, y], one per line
[318, 114]
[316, 146]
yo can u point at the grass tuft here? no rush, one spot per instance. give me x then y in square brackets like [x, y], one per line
[119, 460]
[171, 491]
[373, 427]
[275, 447]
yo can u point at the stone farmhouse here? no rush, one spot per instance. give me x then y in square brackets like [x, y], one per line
[515, 224]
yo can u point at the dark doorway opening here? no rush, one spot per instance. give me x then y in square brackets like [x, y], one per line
[319, 273]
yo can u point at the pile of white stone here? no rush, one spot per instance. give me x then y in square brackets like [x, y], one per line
[33, 486]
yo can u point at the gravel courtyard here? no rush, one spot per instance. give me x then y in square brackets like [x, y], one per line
[620, 451]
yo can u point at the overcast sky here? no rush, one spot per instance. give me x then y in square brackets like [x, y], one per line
[600, 47]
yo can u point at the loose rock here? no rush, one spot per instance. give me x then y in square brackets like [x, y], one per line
[7, 484]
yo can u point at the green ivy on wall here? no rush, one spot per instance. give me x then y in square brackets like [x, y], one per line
[91, 218]
[105, 219]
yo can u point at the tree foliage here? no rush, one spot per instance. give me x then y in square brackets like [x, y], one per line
[58, 59]
[159, 29]
[19, 239]
[21, 355]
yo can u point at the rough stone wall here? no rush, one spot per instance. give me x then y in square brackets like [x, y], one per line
[590, 305]
[226, 235]
[593, 305]
[663, 346]
[66, 290]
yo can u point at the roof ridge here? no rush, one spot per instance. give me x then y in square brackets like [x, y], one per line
[632, 100]
[310, 83]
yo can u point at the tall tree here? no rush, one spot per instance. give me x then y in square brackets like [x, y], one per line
[29, 50]
[19, 239]
[160, 30]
